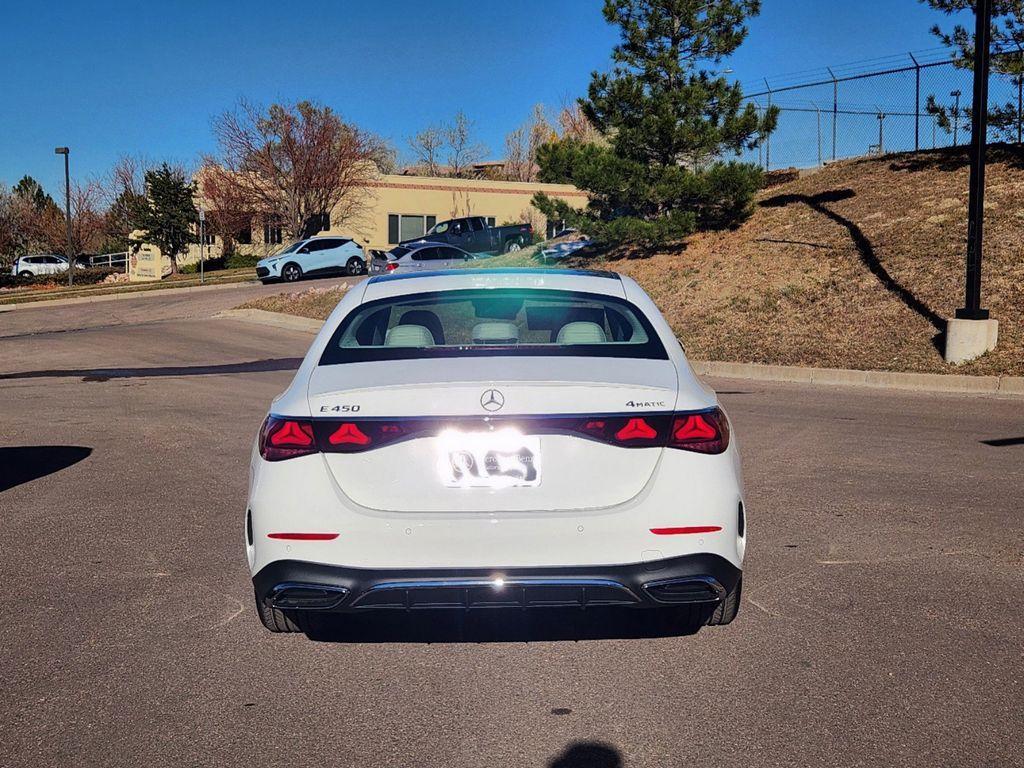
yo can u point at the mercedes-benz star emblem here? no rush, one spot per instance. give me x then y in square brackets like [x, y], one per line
[492, 400]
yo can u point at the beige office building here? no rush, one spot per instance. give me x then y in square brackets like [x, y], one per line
[398, 207]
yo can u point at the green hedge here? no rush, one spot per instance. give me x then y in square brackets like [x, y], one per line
[234, 261]
[82, 277]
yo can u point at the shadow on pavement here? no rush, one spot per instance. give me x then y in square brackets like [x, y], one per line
[588, 754]
[22, 464]
[106, 374]
[503, 625]
[1002, 442]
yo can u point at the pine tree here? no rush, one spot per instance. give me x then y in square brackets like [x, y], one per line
[668, 119]
[168, 214]
[1007, 60]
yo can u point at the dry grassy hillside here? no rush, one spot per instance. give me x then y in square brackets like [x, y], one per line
[855, 266]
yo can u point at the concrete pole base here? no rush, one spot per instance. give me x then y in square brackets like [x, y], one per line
[968, 339]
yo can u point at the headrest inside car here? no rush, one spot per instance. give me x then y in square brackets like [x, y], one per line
[581, 333]
[409, 336]
[493, 332]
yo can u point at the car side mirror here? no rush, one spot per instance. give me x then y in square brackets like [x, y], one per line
[304, 249]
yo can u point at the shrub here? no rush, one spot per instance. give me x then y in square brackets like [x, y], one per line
[239, 260]
[211, 265]
[82, 277]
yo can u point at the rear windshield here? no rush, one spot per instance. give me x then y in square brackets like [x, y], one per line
[493, 323]
[397, 252]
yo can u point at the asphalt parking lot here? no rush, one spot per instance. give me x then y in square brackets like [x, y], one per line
[882, 621]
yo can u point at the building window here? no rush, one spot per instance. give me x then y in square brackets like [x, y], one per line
[203, 234]
[322, 222]
[244, 236]
[272, 234]
[490, 221]
[408, 226]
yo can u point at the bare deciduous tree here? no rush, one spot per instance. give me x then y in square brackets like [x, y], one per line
[463, 152]
[293, 163]
[522, 143]
[88, 221]
[575, 125]
[426, 146]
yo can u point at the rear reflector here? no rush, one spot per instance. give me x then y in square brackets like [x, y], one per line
[303, 536]
[686, 529]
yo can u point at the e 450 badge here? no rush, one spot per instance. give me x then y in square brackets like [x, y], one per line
[339, 409]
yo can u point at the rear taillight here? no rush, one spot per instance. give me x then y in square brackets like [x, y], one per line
[698, 431]
[286, 439]
[391, 266]
[703, 432]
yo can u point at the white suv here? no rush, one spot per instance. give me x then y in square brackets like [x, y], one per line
[41, 264]
[313, 256]
[495, 438]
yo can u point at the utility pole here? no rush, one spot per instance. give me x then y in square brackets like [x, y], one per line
[768, 141]
[67, 210]
[881, 132]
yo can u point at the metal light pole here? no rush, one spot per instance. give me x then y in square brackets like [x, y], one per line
[976, 197]
[956, 114]
[67, 210]
[202, 242]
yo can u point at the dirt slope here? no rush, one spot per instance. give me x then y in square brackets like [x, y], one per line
[855, 266]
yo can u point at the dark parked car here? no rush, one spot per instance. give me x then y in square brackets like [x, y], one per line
[472, 235]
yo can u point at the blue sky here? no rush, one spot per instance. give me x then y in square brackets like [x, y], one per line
[112, 78]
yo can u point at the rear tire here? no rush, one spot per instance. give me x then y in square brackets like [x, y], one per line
[355, 266]
[727, 607]
[291, 273]
[25, 273]
[277, 620]
[513, 245]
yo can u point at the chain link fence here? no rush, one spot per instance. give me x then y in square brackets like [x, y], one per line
[896, 104]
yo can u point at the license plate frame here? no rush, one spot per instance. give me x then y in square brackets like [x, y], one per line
[498, 459]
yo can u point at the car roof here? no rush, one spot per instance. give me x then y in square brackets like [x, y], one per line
[583, 280]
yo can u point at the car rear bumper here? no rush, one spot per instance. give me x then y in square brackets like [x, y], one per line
[698, 578]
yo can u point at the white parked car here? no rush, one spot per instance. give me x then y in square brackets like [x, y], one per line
[419, 256]
[495, 438]
[313, 256]
[42, 264]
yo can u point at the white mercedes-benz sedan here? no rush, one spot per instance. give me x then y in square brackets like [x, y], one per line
[495, 438]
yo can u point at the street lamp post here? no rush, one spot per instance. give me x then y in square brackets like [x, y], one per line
[956, 115]
[202, 243]
[976, 194]
[67, 210]
[971, 332]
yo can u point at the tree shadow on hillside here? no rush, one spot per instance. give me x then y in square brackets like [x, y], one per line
[866, 251]
[950, 159]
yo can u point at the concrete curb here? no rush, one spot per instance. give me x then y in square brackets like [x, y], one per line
[916, 382]
[41, 303]
[913, 382]
[274, 319]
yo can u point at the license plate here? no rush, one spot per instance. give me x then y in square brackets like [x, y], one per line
[503, 458]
